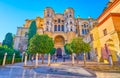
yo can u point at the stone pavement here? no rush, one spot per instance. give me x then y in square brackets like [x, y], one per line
[43, 71]
[56, 70]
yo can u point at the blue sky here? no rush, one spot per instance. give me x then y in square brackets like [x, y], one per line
[14, 12]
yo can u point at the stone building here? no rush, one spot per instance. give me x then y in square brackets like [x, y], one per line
[61, 27]
[105, 37]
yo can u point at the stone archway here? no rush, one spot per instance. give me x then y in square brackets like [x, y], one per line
[59, 42]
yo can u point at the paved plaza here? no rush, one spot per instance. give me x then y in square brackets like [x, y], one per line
[44, 71]
[56, 70]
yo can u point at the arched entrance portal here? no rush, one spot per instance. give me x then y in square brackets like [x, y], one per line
[59, 42]
[59, 52]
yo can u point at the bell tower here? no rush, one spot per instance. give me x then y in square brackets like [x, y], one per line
[48, 21]
[70, 23]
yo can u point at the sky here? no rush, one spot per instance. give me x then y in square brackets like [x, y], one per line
[13, 13]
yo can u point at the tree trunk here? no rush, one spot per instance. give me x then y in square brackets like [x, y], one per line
[84, 59]
[42, 58]
[72, 58]
[77, 59]
[49, 59]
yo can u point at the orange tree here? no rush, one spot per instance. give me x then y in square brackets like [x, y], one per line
[41, 44]
[79, 46]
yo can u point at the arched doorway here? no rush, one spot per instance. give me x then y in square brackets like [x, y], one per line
[59, 42]
[59, 53]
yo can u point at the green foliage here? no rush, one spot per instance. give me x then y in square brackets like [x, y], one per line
[76, 45]
[52, 52]
[79, 46]
[68, 49]
[5, 49]
[34, 44]
[10, 52]
[32, 30]
[9, 60]
[40, 44]
[8, 41]
[86, 47]
[17, 60]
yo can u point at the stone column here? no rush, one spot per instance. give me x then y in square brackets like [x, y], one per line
[65, 28]
[60, 28]
[4, 60]
[13, 58]
[25, 62]
[49, 59]
[36, 64]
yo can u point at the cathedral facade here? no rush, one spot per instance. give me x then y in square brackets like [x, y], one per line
[61, 27]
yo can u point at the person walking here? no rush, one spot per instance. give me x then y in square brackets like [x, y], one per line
[55, 58]
[63, 58]
[32, 58]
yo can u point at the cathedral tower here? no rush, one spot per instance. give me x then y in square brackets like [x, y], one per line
[70, 26]
[48, 21]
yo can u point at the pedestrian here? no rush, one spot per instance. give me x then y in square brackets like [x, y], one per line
[55, 58]
[32, 58]
[63, 58]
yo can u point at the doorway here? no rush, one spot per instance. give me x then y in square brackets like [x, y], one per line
[59, 52]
